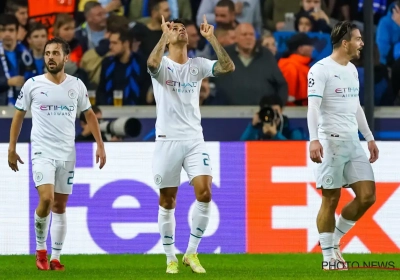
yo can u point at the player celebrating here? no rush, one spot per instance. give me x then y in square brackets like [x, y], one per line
[179, 138]
[334, 118]
[54, 99]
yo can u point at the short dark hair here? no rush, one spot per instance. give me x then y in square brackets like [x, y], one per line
[89, 6]
[115, 22]
[9, 19]
[226, 3]
[181, 21]
[57, 40]
[270, 100]
[124, 35]
[154, 4]
[342, 31]
[95, 109]
[12, 6]
[35, 26]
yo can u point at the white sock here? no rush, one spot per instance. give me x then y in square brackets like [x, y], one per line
[41, 230]
[58, 230]
[166, 226]
[200, 218]
[326, 242]
[341, 228]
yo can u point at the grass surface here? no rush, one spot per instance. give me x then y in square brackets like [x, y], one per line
[271, 266]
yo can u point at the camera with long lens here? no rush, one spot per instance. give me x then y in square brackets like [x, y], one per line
[122, 127]
[267, 115]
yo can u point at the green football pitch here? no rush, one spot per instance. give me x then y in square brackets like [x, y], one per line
[245, 266]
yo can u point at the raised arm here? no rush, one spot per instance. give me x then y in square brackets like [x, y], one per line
[224, 64]
[154, 60]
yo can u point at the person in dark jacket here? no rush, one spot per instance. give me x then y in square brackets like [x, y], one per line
[277, 129]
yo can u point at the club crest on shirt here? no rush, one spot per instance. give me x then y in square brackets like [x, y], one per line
[72, 94]
[355, 75]
[157, 179]
[38, 176]
[194, 70]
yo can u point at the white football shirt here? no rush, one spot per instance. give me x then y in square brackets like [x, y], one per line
[176, 90]
[338, 86]
[54, 109]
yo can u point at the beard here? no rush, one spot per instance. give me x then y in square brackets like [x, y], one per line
[54, 69]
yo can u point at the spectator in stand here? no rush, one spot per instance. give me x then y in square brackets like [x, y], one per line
[388, 33]
[151, 32]
[92, 59]
[140, 10]
[64, 27]
[91, 32]
[295, 65]
[256, 71]
[123, 79]
[227, 11]
[17, 63]
[37, 38]
[19, 8]
[306, 22]
[268, 42]
[277, 14]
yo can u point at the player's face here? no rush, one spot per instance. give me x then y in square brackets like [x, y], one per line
[179, 34]
[355, 45]
[37, 39]
[54, 58]
[10, 35]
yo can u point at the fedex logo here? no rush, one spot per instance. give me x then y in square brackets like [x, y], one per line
[179, 84]
[115, 210]
[69, 108]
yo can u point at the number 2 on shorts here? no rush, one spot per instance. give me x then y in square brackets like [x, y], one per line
[206, 159]
[71, 178]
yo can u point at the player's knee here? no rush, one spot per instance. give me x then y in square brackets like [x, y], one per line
[330, 203]
[204, 195]
[368, 199]
[47, 200]
[168, 202]
[59, 207]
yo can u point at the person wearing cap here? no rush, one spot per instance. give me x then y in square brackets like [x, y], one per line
[295, 65]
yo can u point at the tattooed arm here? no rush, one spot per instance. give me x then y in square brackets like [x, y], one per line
[224, 64]
[154, 60]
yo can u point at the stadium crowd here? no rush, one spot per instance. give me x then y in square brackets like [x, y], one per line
[112, 39]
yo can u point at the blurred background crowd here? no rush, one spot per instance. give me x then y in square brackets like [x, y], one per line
[273, 43]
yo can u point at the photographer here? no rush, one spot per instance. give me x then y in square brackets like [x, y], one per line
[270, 124]
[86, 134]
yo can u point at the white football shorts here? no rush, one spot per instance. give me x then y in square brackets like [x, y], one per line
[343, 163]
[55, 172]
[170, 156]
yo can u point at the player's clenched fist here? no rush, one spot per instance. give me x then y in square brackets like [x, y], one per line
[166, 26]
[316, 151]
[206, 30]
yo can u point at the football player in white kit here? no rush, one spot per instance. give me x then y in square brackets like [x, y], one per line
[53, 99]
[334, 118]
[179, 137]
